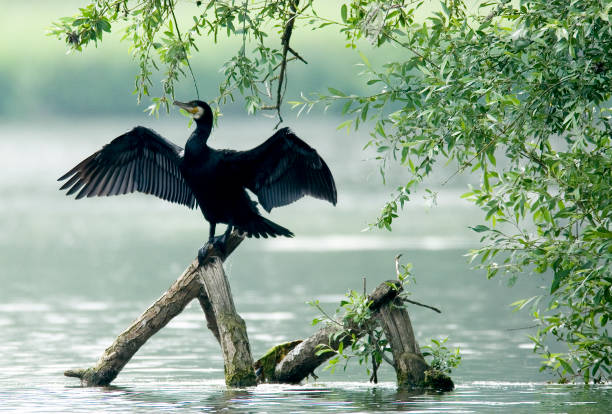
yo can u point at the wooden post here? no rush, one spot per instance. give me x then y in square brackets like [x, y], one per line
[232, 333]
[410, 366]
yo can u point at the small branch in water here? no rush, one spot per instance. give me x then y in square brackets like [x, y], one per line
[433, 308]
[520, 329]
[388, 360]
[397, 264]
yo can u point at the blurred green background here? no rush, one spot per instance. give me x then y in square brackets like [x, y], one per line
[38, 78]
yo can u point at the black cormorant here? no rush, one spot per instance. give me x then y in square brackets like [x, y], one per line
[280, 171]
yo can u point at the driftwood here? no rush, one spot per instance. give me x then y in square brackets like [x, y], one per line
[231, 328]
[186, 288]
[294, 361]
[302, 360]
[285, 363]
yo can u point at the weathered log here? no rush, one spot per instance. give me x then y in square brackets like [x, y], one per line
[302, 360]
[410, 366]
[186, 288]
[265, 366]
[298, 359]
[231, 327]
[211, 320]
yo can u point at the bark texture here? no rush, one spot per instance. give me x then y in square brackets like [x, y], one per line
[410, 366]
[186, 288]
[231, 327]
[302, 360]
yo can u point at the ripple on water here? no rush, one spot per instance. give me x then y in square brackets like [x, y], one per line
[23, 307]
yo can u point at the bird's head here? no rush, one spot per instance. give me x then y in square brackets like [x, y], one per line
[201, 111]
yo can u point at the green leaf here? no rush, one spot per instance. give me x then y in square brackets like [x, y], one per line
[567, 367]
[558, 278]
[480, 228]
[343, 12]
[336, 92]
[365, 59]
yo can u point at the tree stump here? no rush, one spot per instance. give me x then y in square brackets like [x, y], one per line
[410, 366]
[232, 334]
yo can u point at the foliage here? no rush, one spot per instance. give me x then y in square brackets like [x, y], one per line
[519, 95]
[442, 358]
[354, 318]
[159, 45]
[516, 93]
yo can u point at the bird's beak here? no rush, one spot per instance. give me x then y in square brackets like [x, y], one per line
[189, 108]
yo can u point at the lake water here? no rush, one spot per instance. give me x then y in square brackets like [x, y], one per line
[75, 274]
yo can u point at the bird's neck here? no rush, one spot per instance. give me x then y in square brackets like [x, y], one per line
[196, 145]
[202, 132]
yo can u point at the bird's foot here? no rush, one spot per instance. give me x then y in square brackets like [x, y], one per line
[218, 243]
[202, 253]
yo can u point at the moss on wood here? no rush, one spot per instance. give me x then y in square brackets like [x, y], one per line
[438, 381]
[265, 366]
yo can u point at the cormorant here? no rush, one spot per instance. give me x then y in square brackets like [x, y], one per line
[280, 171]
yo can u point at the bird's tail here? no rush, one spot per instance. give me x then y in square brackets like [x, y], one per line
[262, 227]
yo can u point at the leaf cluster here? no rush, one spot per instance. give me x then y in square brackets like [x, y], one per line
[518, 95]
[360, 335]
[442, 358]
[160, 46]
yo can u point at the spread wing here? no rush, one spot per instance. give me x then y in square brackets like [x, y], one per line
[282, 170]
[139, 160]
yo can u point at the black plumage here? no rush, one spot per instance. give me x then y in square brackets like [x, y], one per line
[280, 171]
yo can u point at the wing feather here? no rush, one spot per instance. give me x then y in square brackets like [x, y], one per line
[282, 170]
[139, 160]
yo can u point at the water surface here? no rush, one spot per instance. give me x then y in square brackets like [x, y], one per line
[75, 274]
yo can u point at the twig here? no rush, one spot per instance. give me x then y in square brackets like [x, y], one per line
[520, 329]
[388, 360]
[374, 377]
[364, 286]
[397, 264]
[283, 69]
[178, 33]
[433, 308]
[297, 55]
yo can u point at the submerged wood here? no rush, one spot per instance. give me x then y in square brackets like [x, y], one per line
[290, 362]
[302, 360]
[186, 288]
[410, 366]
[231, 327]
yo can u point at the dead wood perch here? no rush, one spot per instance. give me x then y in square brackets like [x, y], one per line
[218, 307]
[293, 361]
[286, 363]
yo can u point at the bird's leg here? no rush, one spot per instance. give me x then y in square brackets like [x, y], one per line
[220, 242]
[211, 240]
[227, 233]
[211, 233]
